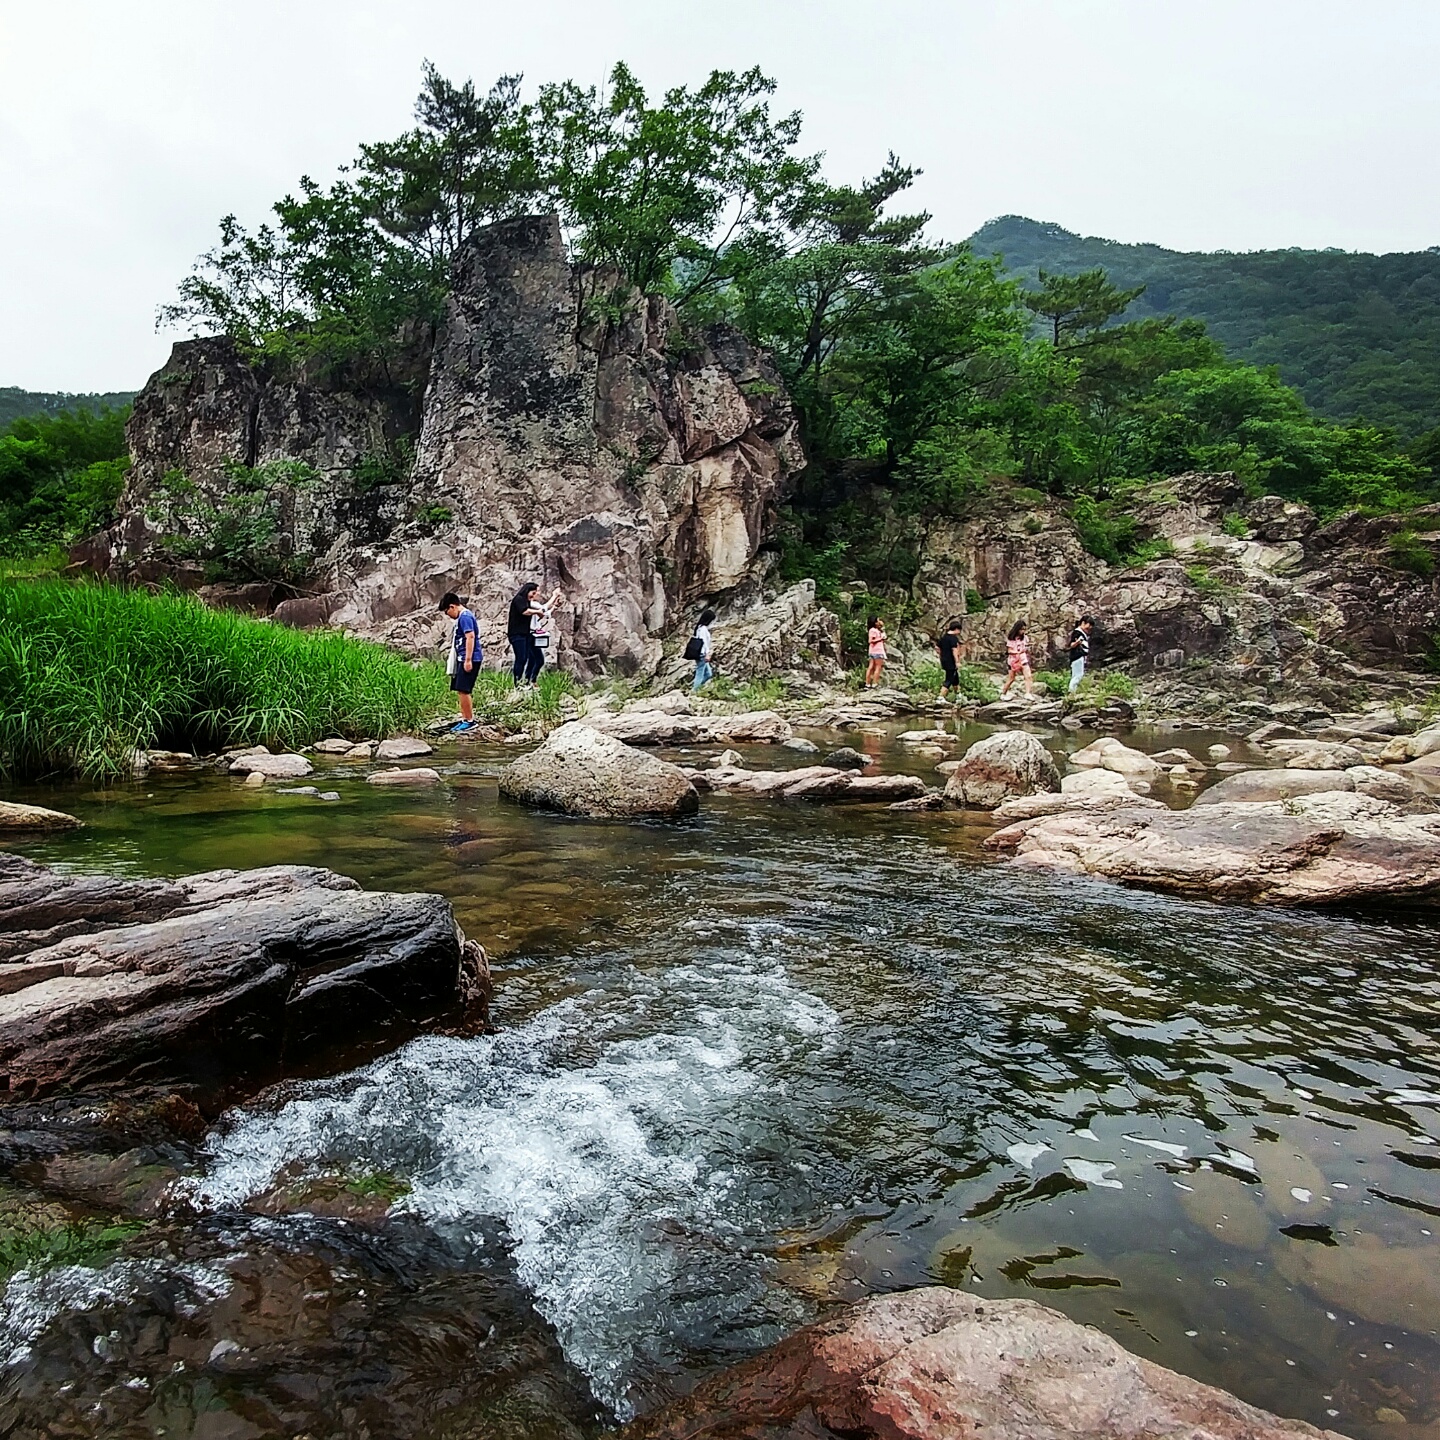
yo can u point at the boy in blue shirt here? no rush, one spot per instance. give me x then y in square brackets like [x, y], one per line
[468, 658]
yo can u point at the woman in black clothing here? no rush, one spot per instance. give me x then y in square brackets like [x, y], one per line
[517, 629]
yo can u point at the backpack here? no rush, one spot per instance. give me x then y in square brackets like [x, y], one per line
[694, 648]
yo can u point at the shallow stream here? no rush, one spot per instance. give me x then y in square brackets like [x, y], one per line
[776, 1057]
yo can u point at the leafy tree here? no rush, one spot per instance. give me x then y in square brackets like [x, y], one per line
[60, 476]
[644, 188]
[1077, 305]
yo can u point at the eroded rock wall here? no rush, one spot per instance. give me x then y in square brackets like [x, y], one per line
[571, 435]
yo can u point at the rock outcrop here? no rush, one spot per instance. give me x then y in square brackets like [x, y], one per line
[1290, 602]
[1000, 767]
[583, 771]
[825, 783]
[34, 817]
[678, 724]
[586, 446]
[234, 973]
[938, 1364]
[1329, 848]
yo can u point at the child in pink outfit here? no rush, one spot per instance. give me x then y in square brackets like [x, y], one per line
[876, 647]
[1017, 655]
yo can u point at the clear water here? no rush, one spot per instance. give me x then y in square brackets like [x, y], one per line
[778, 1057]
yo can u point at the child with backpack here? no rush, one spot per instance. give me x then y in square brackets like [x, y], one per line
[698, 649]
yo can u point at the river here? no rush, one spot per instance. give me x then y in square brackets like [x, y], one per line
[779, 1056]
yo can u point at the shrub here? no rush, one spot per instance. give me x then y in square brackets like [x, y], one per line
[1095, 689]
[1148, 550]
[1409, 552]
[1234, 525]
[1201, 578]
[927, 678]
[90, 673]
[1056, 682]
[974, 602]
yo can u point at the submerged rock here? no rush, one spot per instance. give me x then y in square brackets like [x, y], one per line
[401, 747]
[813, 782]
[416, 775]
[583, 771]
[271, 767]
[938, 1364]
[1315, 850]
[999, 767]
[106, 980]
[34, 817]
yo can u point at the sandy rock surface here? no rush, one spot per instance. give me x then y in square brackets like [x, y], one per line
[416, 775]
[402, 747]
[34, 817]
[272, 767]
[938, 1364]
[1327, 848]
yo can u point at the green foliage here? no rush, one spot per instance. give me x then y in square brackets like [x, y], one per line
[1077, 305]
[1056, 683]
[92, 672]
[498, 702]
[974, 602]
[238, 531]
[752, 694]
[1408, 551]
[926, 678]
[1355, 334]
[379, 1183]
[1098, 686]
[1234, 525]
[17, 404]
[1105, 532]
[42, 1247]
[60, 476]
[1202, 579]
[390, 465]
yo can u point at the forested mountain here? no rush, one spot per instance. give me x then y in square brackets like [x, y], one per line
[16, 404]
[1357, 335]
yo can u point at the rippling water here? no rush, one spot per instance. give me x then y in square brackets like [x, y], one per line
[779, 1057]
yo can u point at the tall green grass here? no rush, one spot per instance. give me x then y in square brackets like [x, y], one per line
[89, 673]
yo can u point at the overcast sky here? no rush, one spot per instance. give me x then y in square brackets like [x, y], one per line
[127, 129]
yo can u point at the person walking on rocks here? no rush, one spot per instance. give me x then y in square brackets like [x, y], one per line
[876, 647]
[949, 647]
[699, 649]
[542, 615]
[1079, 651]
[466, 658]
[517, 629]
[1017, 655]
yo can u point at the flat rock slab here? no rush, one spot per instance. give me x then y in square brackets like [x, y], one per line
[653, 726]
[1348, 848]
[334, 746]
[937, 1364]
[402, 747]
[811, 782]
[272, 767]
[416, 775]
[34, 817]
[109, 980]
[584, 771]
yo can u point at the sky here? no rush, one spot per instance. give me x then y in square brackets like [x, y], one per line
[128, 129]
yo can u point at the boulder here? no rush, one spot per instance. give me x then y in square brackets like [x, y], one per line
[1219, 752]
[333, 746]
[109, 980]
[401, 747]
[416, 775]
[1177, 756]
[939, 1364]
[1095, 782]
[1003, 765]
[271, 767]
[1410, 747]
[1029, 807]
[813, 782]
[583, 771]
[1347, 849]
[801, 745]
[1261, 785]
[362, 751]
[34, 817]
[1314, 755]
[846, 758]
[928, 737]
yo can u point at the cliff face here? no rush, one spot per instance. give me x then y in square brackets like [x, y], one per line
[635, 467]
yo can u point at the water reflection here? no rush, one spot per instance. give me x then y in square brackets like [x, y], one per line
[778, 1056]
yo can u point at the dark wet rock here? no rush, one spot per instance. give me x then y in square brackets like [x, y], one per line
[938, 1364]
[1321, 849]
[846, 758]
[1000, 767]
[583, 771]
[216, 976]
[241, 1328]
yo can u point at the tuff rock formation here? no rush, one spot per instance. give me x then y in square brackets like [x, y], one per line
[937, 1364]
[106, 980]
[573, 442]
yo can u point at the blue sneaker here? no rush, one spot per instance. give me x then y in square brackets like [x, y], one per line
[462, 727]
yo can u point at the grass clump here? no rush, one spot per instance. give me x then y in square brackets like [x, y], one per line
[90, 673]
[925, 680]
[42, 1247]
[498, 702]
[1407, 551]
[1105, 685]
[753, 694]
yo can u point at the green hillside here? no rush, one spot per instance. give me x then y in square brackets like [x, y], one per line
[18, 404]
[1357, 335]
